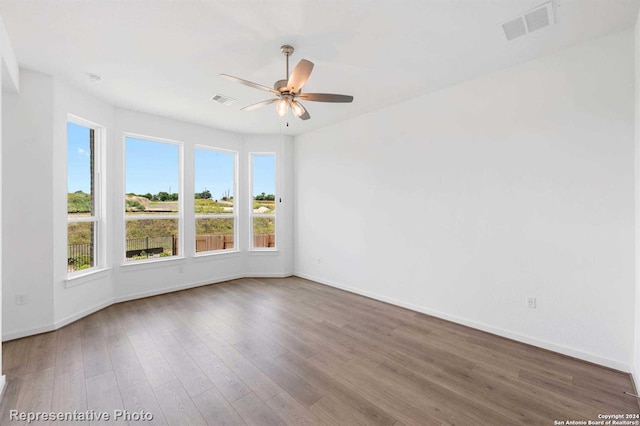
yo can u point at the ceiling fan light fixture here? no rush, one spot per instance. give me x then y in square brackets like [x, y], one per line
[297, 109]
[282, 107]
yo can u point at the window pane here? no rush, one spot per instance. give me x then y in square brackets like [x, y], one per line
[264, 232]
[214, 181]
[152, 181]
[80, 254]
[214, 234]
[80, 153]
[151, 238]
[264, 184]
[264, 206]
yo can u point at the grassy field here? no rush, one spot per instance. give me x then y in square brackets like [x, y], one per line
[80, 234]
[213, 207]
[80, 204]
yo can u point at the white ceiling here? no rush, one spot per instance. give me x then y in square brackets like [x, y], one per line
[164, 57]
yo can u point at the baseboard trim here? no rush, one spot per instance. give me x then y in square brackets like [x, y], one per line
[57, 325]
[268, 275]
[142, 295]
[125, 298]
[85, 312]
[585, 356]
[564, 350]
[28, 332]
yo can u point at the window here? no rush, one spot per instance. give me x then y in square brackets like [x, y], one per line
[153, 216]
[263, 201]
[215, 212]
[83, 195]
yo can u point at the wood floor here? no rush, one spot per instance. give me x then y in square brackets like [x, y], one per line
[290, 351]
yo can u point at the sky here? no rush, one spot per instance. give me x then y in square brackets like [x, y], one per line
[214, 171]
[78, 158]
[152, 167]
[264, 174]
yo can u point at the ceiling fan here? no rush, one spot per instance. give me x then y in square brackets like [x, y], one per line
[289, 91]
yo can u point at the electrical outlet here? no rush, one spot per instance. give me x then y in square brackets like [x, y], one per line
[531, 302]
[21, 298]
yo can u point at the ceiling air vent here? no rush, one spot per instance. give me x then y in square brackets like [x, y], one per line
[224, 100]
[515, 28]
[532, 20]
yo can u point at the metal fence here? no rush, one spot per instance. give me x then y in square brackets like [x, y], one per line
[80, 256]
[146, 246]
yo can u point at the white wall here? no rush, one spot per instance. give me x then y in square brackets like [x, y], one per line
[280, 263]
[27, 212]
[10, 70]
[10, 78]
[636, 359]
[35, 164]
[463, 202]
[34, 220]
[133, 280]
[74, 298]
[3, 378]
[137, 280]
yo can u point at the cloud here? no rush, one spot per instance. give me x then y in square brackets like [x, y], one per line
[83, 153]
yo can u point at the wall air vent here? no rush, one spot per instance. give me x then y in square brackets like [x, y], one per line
[532, 20]
[224, 100]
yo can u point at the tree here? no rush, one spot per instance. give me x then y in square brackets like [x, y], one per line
[204, 195]
[163, 196]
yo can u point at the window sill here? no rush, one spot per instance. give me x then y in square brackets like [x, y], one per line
[85, 277]
[153, 263]
[218, 254]
[265, 252]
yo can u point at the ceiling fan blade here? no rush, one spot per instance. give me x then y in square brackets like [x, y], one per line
[299, 110]
[259, 104]
[326, 97]
[248, 83]
[305, 116]
[300, 75]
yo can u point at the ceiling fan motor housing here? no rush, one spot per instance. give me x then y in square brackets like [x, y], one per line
[280, 85]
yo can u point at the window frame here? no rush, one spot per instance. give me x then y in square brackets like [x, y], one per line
[179, 216]
[252, 215]
[235, 215]
[99, 192]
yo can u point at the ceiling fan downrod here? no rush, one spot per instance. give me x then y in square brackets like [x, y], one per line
[287, 51]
